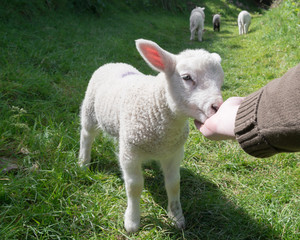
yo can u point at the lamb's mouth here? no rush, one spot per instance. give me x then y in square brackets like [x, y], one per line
[198, 124]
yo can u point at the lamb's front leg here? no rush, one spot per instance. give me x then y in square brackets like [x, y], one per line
[134, 182]
[171, 169]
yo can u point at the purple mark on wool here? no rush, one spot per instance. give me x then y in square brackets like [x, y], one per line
[128, 73]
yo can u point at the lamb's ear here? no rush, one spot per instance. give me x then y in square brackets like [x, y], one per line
[216, 57]
[203, 9]
[157, 58]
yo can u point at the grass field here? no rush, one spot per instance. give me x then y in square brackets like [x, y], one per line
[46, 61]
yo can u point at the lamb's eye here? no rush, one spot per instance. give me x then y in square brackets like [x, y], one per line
[187, 77]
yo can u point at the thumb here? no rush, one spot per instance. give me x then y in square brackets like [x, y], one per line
[205, 129]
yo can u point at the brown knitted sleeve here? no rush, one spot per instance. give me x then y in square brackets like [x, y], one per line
[268, 120]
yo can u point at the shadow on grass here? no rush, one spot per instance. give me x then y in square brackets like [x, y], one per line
[221, 32]
[110, 166]
[209, 213]
[105, 159]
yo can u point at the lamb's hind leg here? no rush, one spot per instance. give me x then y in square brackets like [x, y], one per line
[200, 35]
[246, 27]
[88, 132]
[87, 136]
[241, 29]
[171, 169]
[134, 182]
[193, 31]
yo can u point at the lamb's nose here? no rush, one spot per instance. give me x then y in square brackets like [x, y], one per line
[215, 106]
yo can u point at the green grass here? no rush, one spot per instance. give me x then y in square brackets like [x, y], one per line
[45, 64]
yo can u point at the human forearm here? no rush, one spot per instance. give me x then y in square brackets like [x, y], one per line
[268, 121]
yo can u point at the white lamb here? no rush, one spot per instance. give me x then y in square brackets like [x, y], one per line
[197, 19]
[244, 20]
[149, 116]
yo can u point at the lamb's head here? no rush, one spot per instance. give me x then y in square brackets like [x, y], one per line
[194, 79]
[199, 10]
[198, 84]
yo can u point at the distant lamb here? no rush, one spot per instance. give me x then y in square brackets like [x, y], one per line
[197, 19]
[244, 20]
[149, 116]
[217, 22]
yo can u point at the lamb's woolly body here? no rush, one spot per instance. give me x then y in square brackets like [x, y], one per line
[149, 116]
[244, 21]
[135, 107]
[197, 19]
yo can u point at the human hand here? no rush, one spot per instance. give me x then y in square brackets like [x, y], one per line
[221, 125]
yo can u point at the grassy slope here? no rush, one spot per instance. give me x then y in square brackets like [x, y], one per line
[45, 66]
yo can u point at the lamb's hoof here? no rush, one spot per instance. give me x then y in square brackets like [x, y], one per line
[83, 166]
[131, 224]
[83, 162]
[180, 223]
[175, 213]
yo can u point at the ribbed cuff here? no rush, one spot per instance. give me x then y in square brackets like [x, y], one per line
[246, 129]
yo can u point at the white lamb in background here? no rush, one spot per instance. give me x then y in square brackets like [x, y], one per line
[149, 116]
[197, 19]
[244, 20]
